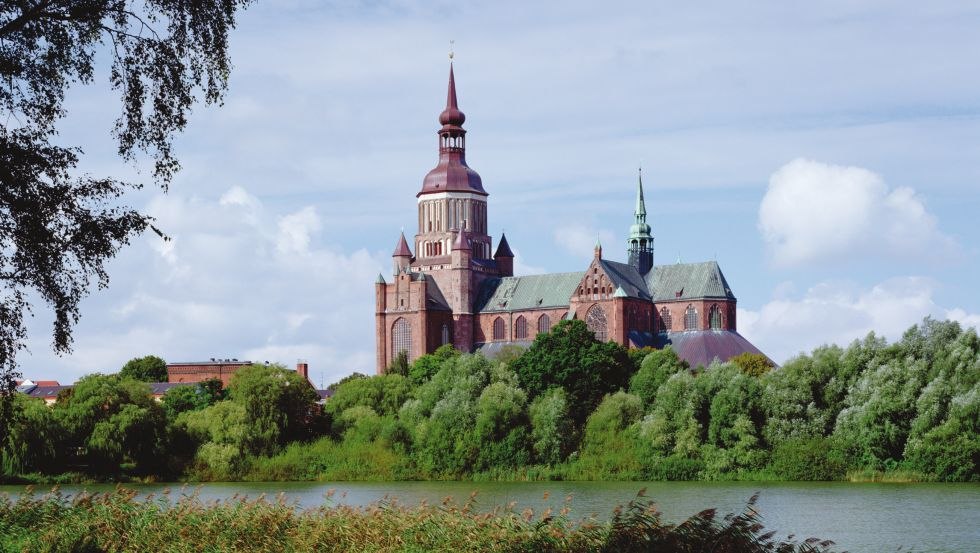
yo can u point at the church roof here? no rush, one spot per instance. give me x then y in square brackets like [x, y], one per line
[527, 292]
[683, 281]
[700, 347]
[625, 276]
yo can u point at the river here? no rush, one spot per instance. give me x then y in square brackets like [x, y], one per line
[858, 517]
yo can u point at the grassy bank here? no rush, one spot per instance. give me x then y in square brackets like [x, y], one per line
[118, 521]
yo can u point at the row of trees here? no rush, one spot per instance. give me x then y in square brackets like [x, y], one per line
[568, 407]
[585, 410]
[110, 425]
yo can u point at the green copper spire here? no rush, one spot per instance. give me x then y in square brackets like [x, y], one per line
[641, 240]
[641, 206]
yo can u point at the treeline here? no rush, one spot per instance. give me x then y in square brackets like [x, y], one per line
[569, 407]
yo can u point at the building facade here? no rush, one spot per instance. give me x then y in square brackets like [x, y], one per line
[457, 289]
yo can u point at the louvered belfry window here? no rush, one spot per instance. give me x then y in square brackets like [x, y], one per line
[691, 318]
[595, 319]
[401, 337]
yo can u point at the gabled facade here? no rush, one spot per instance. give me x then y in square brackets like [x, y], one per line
[452, 291]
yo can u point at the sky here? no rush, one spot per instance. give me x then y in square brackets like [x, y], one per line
[826, 154]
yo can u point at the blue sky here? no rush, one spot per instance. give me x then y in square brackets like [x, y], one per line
[826, 154]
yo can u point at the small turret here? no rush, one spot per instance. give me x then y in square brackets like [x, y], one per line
[402, 256]
[504, 257]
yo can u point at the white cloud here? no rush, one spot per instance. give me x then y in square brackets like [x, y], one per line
[296, 229]
[964, 318]
[522, 268]
[840, 312]
[816, 212]
[580, 240]
[242, 292]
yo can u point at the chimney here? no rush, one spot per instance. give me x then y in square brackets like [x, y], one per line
[303, 368]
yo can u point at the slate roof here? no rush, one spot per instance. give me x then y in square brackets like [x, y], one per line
[45, 392]
[526, 292]
[160, 388]
[625, 276]
[685, 281]
[700, 347]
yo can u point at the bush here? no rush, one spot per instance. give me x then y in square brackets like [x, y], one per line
[807, 459]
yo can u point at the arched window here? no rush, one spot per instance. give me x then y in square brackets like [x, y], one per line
[401, 337]
[665, 320]
[544, 324]
[714, 317]
[595, 319]
[520, 328]
[691, 318]
[445, 334]
[499, 329]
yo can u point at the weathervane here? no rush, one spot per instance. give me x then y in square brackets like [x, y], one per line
[451, 44]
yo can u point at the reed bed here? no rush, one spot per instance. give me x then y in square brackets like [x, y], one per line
[122, 520]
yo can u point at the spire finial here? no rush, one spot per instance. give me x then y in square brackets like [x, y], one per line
[451, 53]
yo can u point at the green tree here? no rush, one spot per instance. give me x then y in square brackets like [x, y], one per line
[551, 429]
[146, 369]
[569, 357]
[33, 440]
[112, 421]
[752, 364]
[59, 229]
[655, 369]
[399, 365]
[278, 404]
[424, 367]
[221, 435]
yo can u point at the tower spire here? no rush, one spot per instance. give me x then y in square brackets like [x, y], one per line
[641, 240]
[641, 207]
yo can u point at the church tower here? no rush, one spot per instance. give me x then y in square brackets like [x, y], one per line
[640, 241]
[452, 198]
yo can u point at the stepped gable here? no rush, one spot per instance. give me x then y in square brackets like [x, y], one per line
[527, 292]
[684, 281]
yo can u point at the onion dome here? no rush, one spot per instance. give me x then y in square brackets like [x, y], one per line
[452, 174]
[451, 116]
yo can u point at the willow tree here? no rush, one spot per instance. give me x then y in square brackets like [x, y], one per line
[58, 228]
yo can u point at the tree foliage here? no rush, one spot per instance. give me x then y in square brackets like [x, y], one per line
[57, 228]
[570, 357]
[146, 369]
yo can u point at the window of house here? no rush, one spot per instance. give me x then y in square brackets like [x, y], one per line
[499, 329]
[691, 318]
[520, 328]
[401, 337]
[445, 334]
[544, 324]
[595, 319]
[714, 317]
[665, 319]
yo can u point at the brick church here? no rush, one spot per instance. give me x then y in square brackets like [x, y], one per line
[457, 289]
